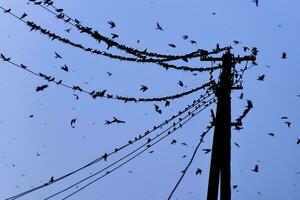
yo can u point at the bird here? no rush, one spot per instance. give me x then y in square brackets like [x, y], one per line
[115, 120]
[184, 144]
[193, 42]
[284, 117]
[143, 88]
[57, 55]
[30, 116]
[298, 140]
[180, 83]
[7, 11]
[185, 37]
[65, 68]
[112, 24]
[4, 58]
[198, 171]
[256, 2]
[206, 151]
[234, 187]
[157, 109]
[68, 30]
[241, 96]
[167, 103]
[76, 96]
[236, 144]
[158, 27]
[236, 42]
[24, 66]
[151, 151]
[105, 156]
[214, 13]
[288, 124]
[51, 179]
[73, 121]
[255, 168]
[246, 49]
[114, 35]
[109, 73]
[261, 77]
[172, 45]
[283, 56]
[271, 134]
[59, 10]
[173, 142]
[23, 16]
[41, 88]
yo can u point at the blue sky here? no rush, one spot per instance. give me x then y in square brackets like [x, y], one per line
[273, 28]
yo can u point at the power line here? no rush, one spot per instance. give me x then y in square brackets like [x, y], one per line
[147, 147]
[195, 103]
[192, 158]
[103, 94]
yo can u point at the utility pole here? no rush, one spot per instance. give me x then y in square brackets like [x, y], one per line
[220, 169]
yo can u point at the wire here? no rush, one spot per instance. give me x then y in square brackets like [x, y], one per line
[147, 147]
[191, 160]
[195, 103]
[96, 94]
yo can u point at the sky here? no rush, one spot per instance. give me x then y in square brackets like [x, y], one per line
[32, 150]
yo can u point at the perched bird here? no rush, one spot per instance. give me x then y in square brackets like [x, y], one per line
[172, 45]
[24, 66]
[206, 151]
[105, 156]
[73, 121]
[41, 88]
[283, 56]
[7, 11]
[158, 27]
[57, 55]
[143, 88]
[114, 35]
[167, 103]
[4, 58]
[180, 83]
[261, 78]
[271, 134]
[51, 179]
[255, 168]
[59, 10]
[246, 49]
[198, 171]
[112, 24]
[173, 142]
[23, 16]
[65, 68]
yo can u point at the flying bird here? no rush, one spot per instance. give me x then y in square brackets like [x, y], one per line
[157, 109]
[271, 134]
[180, 83]
[288, 124]
[206, 151]
[114, 35]
[284, 117]
[65, 68]
[30, 116]
[256, 2]
[241, 96]
[109, 73]
[158, 27]
[112, 24]
[185, 37]
[261, 78]
[143, 88]
[198, 171]
[193, 42]
[255, 168]
[68, 30]
[283, 56]
[173, 142]
[236, 144]
[57, 55]
[298, 141]
[41, 88]
[234, 187]
[172, 45]
[73, 121]
[184, 144]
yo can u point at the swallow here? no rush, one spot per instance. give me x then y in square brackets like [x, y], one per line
[7, 11]
[41, 88]
[109, 73]
[4, 58]
[68, 30]
[241, 96]
[284, 117]
[157, 109]
[214, 13]
[73, 121]
[173, 142]
[112, 24]
[118, 121]
[288, 124]
[185, 37]
[76, 96]
[51, 179]
[271, 134]
[65, 68]
[206, 151]
[234, 187]
[114, 36]
[261, 78]
[59, 10]
[23, 66]
[23, 16]
[236, 42]
[105, 156]
[283, 56]
[151, 151]
[236, 144]
[193, 42]
[167, 103]
[198, 171]
[30, 116]
[255, 168]
[172, 45]
[57, 55]
[143, 88]
[184, 144]
[158, 27]
[180, 83]
[246, 49]
[298, 141]
[256, 2]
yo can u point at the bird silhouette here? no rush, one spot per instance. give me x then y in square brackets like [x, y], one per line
[51, 179]
[57, 55]
[261, 78]
[24, 66]
[109, 73]
[284, 117]
[167, 103]
[114, 35]
[172, 45]
[112, 24]
[73, 121]
[246, 49]
[143, 88]
[173, 142]
[206, 151]
[4, 58]
[180, 83]
[283, 56]
[298, 141]
[184, 144]
[7, 11]
[255, 168]
[65, 68]
[236, 144]
[115, 120]
[193, 42]
[76, 96]
[41, 88]
[30, 116]
[105, 156]
[59, 10]
[236, 42]
[241, 96]
[158, 27]
[256, 2]
[68, 30]
[157, 109]
[23, 16]
[185, 37]
[234, 187]
[288, 124]
[198, 171]
[271, 134]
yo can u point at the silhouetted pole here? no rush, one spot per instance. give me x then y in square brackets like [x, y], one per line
[221, 148]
